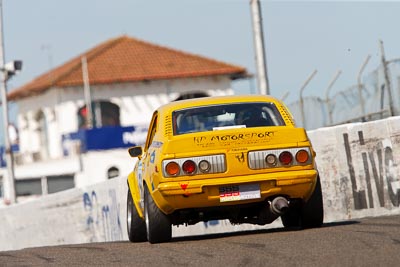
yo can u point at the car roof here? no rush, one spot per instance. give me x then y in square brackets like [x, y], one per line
[214, 100]
[164, 112]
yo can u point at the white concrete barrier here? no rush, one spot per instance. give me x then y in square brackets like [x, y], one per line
[90, 214]
[359, 167]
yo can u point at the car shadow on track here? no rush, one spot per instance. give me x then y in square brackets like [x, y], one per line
[257, 231]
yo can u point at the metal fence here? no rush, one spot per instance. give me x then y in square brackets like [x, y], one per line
[377, 97]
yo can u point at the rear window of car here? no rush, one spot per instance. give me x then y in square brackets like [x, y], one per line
[224, 116]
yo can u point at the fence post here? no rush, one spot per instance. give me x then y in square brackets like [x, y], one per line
[327, 100]
[360, 87]
[387, 81]
[303, 121]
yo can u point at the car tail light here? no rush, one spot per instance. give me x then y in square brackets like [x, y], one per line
[204, 166]
[271, 159]
[172, 168]
[302, 156]
[189, 167]
[280, 157]
[285, 158]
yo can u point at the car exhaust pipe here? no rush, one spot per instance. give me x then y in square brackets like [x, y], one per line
[279, 206]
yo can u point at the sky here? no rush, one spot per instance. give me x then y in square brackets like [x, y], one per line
[299, 36]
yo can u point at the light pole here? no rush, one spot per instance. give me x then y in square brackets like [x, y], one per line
[7, 71]
[262, 76]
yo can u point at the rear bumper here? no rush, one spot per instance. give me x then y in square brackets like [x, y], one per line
[176, 195]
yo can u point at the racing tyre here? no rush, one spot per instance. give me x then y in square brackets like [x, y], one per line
[158, 224]
[292, 218]
[312, 212]
[136, 226]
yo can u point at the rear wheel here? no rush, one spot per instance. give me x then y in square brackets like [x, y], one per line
[136, 225]
[158, 224]
[308, 215]
[292, 217]
[312, 212]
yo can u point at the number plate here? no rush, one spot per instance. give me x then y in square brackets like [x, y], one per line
[239, 192]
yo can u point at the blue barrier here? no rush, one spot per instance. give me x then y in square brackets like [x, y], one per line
[104, 138]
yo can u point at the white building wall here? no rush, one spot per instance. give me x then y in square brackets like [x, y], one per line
[54, 139]
[33, 143]
[23, 131]
[67, 117]
[104, 160]
[28, 126]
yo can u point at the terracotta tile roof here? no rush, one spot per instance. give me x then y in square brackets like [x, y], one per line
[126, 59]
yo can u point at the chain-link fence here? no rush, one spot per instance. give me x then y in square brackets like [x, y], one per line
[377, 97]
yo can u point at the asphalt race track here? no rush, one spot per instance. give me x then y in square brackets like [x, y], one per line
[365, 242]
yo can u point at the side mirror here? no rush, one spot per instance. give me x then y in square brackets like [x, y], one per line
[135, 151]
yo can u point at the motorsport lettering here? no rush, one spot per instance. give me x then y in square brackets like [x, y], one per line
[234, 137]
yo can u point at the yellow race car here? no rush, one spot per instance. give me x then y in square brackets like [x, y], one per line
[232, 157]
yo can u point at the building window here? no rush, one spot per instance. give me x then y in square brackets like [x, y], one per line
[104, 113]
[60, 183]
[28, 187]
[112, 172]
[43, 132]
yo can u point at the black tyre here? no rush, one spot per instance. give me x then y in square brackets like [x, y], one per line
[136, 226]
[306, 215]
[158, 224]
[292, 218]
[312, 212]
